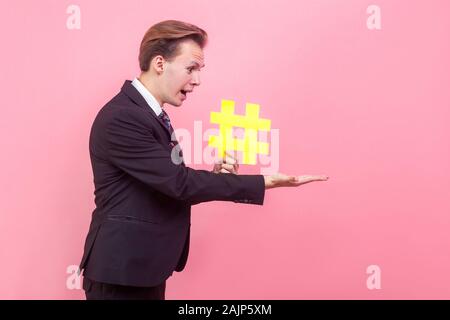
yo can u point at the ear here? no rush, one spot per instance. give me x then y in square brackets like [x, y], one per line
[158, 64]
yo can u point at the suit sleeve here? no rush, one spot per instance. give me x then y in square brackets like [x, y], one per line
[133, 148]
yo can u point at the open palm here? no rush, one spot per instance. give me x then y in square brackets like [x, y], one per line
[282, 180]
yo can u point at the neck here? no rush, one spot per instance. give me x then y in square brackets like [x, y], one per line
[150, 84]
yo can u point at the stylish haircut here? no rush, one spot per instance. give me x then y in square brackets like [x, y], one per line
[164, 38]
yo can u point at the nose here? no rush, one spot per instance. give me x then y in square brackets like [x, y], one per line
[196, 79]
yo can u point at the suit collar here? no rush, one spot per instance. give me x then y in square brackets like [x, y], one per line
[148, 96]
[137, 98]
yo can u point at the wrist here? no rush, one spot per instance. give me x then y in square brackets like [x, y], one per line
[268, 182]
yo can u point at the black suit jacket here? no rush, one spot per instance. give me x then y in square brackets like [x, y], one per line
[139, 233]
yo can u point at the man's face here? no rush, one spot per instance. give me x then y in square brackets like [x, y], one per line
[182, 73]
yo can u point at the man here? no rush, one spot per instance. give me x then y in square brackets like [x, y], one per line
[139, 232]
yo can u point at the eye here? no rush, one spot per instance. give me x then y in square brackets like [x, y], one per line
[190, 70]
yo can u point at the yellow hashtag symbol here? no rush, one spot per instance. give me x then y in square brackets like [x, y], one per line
[249, 145]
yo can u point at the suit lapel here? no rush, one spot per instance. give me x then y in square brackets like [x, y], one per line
[134, 95]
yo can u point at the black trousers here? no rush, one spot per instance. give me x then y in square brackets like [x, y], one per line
[104, 291]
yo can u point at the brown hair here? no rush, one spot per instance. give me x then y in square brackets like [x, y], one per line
[163, 39]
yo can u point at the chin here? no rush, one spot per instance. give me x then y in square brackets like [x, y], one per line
[177, 103]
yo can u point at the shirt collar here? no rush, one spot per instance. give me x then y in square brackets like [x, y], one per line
[149, 98]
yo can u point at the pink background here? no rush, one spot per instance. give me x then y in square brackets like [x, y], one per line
[370, 108]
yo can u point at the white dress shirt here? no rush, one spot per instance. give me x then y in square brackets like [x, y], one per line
[149, 98]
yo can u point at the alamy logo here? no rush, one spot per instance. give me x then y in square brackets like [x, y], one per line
[73, 281]
[374, 20]
[74, 20]
[374, 278]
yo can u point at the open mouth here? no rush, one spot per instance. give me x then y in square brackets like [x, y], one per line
[184, 94]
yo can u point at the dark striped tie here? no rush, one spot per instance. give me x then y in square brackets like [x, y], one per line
[166, 120]
[174, 144]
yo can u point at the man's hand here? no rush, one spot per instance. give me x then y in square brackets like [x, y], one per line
[282, 180]
[229, 164]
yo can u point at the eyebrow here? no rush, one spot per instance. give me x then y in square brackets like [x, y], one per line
[196, 63]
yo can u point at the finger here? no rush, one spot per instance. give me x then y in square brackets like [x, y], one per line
[232, 162]
[217, 168]
[224, 171]
[310, 178]
[319, 178]
[229, 167]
